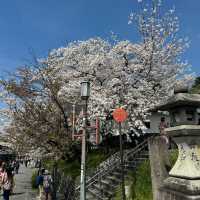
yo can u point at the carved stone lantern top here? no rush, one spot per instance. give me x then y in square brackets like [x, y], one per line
[183, 109]
[180, 99]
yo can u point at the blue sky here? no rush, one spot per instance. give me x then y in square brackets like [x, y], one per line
[40, 25]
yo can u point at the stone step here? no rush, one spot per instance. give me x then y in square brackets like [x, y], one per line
[89, 196]
[94, 198]
[129, 168]
[117, 173]
[136, 162]
[133, 163]
[107, 184]
[143, 156]
[98, 186]
[95, 193]
[101, 190]
[146, 153]
[113, 179]
[126, 171]
[138, 158]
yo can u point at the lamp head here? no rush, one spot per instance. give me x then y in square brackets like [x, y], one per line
[85, 90]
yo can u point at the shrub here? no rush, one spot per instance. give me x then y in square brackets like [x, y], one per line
[33, 180]
[139, 181]
[142, 190]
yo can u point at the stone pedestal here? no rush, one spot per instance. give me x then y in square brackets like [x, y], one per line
[183, 182]
[174, 195]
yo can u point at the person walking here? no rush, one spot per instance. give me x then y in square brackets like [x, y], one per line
[7, 184]
[47, 185]
[2, 173]
[17, 165]
[162, 126]
[26, 162]
[39, 182]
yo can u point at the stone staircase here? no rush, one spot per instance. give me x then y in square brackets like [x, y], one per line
[102, 184]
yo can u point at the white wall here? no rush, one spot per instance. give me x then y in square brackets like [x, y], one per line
[155, 121]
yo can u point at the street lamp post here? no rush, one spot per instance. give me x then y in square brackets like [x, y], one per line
[85, 93]
[73, 120]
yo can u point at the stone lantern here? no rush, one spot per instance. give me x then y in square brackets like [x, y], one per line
[183, 182]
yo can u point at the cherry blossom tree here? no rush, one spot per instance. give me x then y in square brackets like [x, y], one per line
[135, 76]
[38, 118]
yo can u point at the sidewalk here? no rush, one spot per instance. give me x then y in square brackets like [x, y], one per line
[23, 189]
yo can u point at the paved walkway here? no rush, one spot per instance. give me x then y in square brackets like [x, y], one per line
[23, 189]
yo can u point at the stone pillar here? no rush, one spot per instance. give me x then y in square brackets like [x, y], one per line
[159, 160]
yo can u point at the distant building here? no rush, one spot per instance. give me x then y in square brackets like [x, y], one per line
[152, 124]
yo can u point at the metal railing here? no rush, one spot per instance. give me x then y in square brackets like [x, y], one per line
[112, 163]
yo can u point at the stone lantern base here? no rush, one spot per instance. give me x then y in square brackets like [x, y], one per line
[168, 194]
[181, 189]
[187, 138]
